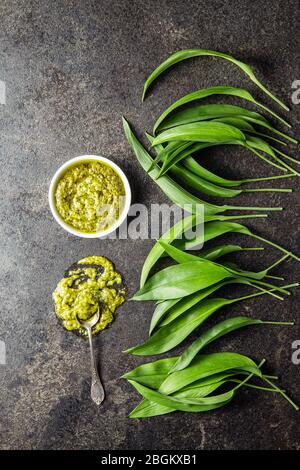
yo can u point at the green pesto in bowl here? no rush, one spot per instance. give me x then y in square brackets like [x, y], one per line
[90, 196]
[90, 283]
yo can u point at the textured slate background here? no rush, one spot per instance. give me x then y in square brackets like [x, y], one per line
[71, 69]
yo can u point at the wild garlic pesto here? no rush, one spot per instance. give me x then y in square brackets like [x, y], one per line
[90, 283]
[90, 196]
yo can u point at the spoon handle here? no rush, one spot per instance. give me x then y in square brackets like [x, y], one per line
[97, 391]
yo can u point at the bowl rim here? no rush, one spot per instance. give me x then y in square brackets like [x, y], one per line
[58, 174]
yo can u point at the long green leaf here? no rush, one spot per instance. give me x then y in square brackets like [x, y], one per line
[205, 365]
[243, 123]
[217, 331]
[196, 113]
[190, 405]
[147, 408]
[190, 53]
[206, 112]
[203, 131]
[181, 280]
[215, 229]
[181, 256]
[218, 251]
[194, 166]
[206, 187]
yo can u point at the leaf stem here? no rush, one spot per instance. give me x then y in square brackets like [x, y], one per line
[258, 387]
[275, 246]
[281, 392]
[288, 167]
[261, 283]
[284, 155]
[257, 294]
[268, 190]
[249, 208]
[268, 178]
[274, 114]
[270, 137]
[280, 260]
[249, 376]
[244, 216]
[278, 278]
[265, 159]
[265, 291]
[257, 248]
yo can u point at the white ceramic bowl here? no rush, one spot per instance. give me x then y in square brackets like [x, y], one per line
[57, 177]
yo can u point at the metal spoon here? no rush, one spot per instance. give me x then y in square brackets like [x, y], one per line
[97, 391]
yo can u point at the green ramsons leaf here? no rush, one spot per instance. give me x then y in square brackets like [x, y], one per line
[190, 53]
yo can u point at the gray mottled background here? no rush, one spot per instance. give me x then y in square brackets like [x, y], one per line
[71, 69]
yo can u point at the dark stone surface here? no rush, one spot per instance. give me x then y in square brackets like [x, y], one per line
[71, 70]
